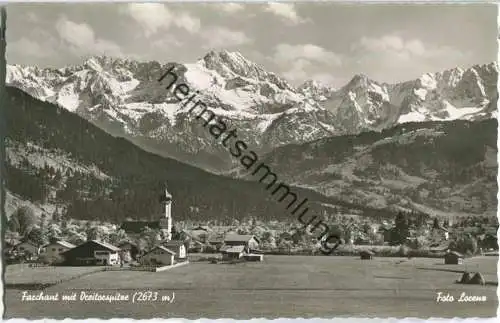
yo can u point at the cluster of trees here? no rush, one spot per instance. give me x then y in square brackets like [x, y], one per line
[26, 183]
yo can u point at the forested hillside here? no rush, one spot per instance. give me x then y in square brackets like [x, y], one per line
[57, 157]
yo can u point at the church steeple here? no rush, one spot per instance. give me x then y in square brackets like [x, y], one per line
[166, 221]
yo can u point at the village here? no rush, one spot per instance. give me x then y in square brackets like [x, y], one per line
[158, 245]
[247, 259]
[165, 253]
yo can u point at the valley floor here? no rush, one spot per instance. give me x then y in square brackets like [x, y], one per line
[280, 286]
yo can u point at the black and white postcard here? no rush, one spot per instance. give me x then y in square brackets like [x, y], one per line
[249, 160]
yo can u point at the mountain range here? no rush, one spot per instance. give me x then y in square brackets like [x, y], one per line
[103, 138]
[124, 98]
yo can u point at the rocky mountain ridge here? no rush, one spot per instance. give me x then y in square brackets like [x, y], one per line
[124, 98]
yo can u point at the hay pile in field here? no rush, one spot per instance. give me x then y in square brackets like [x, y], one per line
[477, 279]
[465, 278]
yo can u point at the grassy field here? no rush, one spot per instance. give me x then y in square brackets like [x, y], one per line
[281, 286]
[23, 274]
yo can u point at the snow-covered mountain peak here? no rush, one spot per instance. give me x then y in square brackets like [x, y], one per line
[93, 63]
[427, 81]
[316, 90]
[122, 94]
[233, 64]
[314, 84]
[359, 80]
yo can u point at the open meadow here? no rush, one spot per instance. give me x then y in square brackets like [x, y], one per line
[24, 275]
[280, 286]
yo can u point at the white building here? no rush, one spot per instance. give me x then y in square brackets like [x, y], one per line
[109, 256]
[159, 255]
[52, 251]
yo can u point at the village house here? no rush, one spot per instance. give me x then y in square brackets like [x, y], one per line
[366, 255]
[159, 255]
[177, 247]
[237, 246]
[249, 242]
[29, 249]
[196, 246]
[488, 240]
[216, 242]
[92, 252]
[453, 258]
[52, 251]
[198, 235]
[194, 243]
[232, 252]
[440, 233]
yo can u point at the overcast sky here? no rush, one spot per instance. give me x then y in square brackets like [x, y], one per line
[324, 41]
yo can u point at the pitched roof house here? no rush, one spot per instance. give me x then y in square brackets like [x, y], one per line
[177, 246]
[232, 252]
[215, 242]
[92, 252]
[53, 250]
[159, 255]
[250, 242]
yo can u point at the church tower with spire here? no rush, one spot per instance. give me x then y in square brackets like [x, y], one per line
[166, 221]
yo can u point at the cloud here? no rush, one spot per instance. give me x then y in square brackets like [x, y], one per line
[81, 39]
[287, 53]
[306, 61]
[231, 7]
[28, 47]
[298, 71]
[285, 11]
[187, 22]
[394, 58]
[32, 17]
[325, 78]
[301, 70]
[222, 37]
[153, 17]
[395, 47]
[168, 41]
[150, 16]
